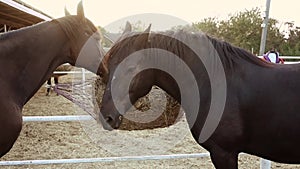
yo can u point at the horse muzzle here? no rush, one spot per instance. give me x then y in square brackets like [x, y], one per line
[109, 122]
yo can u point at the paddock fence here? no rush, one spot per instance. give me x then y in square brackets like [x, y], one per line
[70, 118]
[265, 164]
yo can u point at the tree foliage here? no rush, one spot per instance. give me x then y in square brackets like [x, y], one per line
[137, 26]
[104, 41]
[243, 29]
[292, 43]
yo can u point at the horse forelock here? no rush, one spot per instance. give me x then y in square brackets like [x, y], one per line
[126, 39]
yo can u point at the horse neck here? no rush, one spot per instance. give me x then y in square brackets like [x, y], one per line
[34, 54]
[176, 62]
[167, 83]
[187, 73]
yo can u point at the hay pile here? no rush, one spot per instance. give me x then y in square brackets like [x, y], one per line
[156, 109]
[64, 67]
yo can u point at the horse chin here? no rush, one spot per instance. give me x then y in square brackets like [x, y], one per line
[107, 127]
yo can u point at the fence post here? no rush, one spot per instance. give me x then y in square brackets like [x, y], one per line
[265, 164]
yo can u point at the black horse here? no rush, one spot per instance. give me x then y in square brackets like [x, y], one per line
[30, 55]
[245, 104]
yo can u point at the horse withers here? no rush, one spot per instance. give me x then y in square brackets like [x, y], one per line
[30, 55]
[233, 86]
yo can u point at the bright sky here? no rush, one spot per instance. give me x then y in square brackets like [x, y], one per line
[105, 12]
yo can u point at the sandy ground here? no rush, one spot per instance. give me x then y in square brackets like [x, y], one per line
[65, 140]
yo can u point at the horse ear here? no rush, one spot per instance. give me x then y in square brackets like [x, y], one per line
[148, 29]
[145, 35]
[80, 11]
[128, 28]
[67, 13]
[142, 39]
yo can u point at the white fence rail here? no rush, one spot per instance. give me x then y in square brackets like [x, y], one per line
[290, 57]
[105, 159]
[57, 118]
[296, 58]
[265, 164]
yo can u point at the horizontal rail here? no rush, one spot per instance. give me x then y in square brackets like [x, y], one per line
[73, 72]
[94, 160]
[286, 62]
[287, 57]
[66, 72]
[105, 159]
[57, 118]
[290, 57]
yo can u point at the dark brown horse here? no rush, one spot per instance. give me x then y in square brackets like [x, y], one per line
[245, 104]
[30, 55]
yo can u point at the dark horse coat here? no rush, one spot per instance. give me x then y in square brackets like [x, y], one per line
[259, 113]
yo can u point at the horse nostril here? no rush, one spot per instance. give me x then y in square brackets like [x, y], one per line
[120, 118]
[109, 119]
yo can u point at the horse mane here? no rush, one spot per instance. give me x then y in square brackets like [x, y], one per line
[230, 55]
[118, 45]
[14, 33]
[71, 24]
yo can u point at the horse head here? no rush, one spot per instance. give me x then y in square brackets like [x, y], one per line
[103, 68]
[121, 67]
[84, 40]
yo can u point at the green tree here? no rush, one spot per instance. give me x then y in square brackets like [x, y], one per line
[138, 26]
[275, 38]
[208, 26]
[243, 29]
[291, 45]
[104, 41]
[184, 27]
